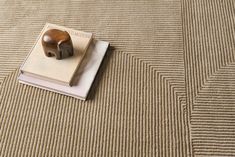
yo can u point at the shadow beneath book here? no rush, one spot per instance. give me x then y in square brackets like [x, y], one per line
[100, 73]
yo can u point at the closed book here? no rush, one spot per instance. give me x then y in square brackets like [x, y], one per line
[83, 78]
[38, 65]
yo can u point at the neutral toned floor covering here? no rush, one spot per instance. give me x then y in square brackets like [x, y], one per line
[165, 88]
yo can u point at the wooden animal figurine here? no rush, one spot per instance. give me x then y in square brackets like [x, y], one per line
[57, 43]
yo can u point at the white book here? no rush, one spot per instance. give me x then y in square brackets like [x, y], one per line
[83, 78]
[37, 64]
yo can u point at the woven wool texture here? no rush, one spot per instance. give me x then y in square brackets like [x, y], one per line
[166, 86]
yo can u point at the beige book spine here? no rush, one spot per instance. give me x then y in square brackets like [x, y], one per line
[21, 67]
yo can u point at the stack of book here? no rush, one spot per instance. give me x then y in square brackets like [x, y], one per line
[72, 76]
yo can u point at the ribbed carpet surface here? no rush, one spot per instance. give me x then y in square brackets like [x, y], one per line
[166, 86]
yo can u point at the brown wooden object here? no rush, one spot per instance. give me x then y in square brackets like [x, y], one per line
[57, 43]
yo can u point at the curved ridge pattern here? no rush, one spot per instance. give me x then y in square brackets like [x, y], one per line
[209, 57]
[166, 89]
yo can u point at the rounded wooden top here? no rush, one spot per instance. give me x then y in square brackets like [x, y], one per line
[54, 36]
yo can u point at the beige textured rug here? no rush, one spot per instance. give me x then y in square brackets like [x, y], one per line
[165, 88]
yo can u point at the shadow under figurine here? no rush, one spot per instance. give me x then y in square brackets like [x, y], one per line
[57, 43]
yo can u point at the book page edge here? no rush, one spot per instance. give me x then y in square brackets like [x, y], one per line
[49, 89]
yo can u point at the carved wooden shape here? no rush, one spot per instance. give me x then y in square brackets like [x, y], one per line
[57, 43]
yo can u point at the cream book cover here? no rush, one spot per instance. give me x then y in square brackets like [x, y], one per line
[49, 68]
[83, 78]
